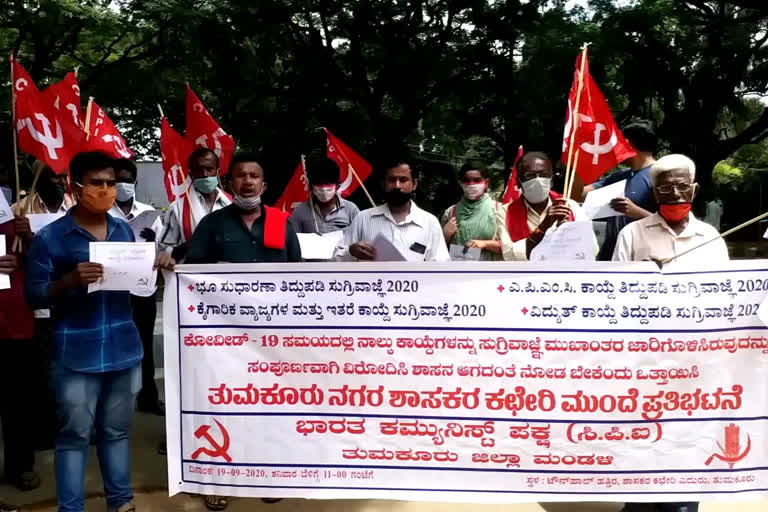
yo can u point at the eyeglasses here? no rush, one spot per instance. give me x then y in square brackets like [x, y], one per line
[531, 175]
[683, 188]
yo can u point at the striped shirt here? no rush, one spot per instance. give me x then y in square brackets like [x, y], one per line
[420, 229]
[92, 332]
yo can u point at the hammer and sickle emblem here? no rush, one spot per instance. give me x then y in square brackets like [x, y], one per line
[730, 453]
[21, 84]
[216, 450]
[198, 107]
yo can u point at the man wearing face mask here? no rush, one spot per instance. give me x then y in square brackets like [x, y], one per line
[246, 231]
[97, 350]
[472, 221]
[415, 233]
[143, 303]
[185, 213]
[673, 229]
[51, 195]
[523, 223]
[330, 212]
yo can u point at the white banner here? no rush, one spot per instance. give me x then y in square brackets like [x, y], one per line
[472, 382]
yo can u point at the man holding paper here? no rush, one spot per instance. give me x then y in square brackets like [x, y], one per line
[144, 221]
[523, 223]
[637, 200]
[399, 228]
[97, 350]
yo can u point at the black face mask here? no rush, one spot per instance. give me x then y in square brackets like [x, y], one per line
[51, 193]
[396, 197]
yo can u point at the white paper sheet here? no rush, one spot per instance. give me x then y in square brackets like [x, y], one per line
[597, 205]
[5, 279]
[319, 247]
[385, 251]
[6, 214]
[143, 220]
[572, 241]
[38, 221]
[127, 266]
[464, 253]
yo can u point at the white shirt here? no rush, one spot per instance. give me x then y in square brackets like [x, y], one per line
[173, 233]
[157, 227]
[516, 251]
[652, 238]
[418, 228]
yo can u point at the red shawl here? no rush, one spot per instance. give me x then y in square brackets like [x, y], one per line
[517, 217]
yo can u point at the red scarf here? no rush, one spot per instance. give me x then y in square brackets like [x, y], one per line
[517, 217]
[274, 227]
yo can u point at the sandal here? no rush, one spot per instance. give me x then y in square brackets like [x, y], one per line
[216, 503]
[270, 501]
[125, 507]
[26, 481]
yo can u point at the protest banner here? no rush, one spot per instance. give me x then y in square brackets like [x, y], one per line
[471, 382]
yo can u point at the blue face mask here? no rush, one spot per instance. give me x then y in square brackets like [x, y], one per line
[206, 185]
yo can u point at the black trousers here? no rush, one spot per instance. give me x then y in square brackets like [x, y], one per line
[21, 382]
[144, 314]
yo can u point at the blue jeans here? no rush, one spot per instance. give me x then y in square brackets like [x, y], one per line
[106, 401]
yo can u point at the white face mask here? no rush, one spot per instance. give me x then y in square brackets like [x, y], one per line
[125, 191]
[247, 204]
[473, 191]
[537, 189]
[324, 193]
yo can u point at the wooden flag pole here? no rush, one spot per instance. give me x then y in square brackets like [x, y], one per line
[309, 193]
[88, 118]
[352, 170]
[575, 118]
[360, 182]
[723, 235]
[17, 244]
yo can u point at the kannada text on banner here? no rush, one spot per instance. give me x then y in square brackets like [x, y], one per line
[467, 382]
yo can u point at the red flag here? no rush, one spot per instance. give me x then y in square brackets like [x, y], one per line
[598, 143]
[203, 130]
[175, 151]
[65, 96]
[104, 135]
[296, 191]
[347, 160]
[512, 192]
[40, 125]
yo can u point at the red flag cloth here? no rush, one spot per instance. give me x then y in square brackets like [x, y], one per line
[203, 130]
[175, 151]
[40, 125]
[296, 191]
[345, 158]
[65, 96]
[512, 192]
[104, 135]
[598, 143]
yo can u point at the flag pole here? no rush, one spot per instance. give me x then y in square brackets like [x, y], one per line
[575, 119]
[88, 118]
[162, 116]
[723, 235]
[352, 170]
[309, 193]
[16, 246]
